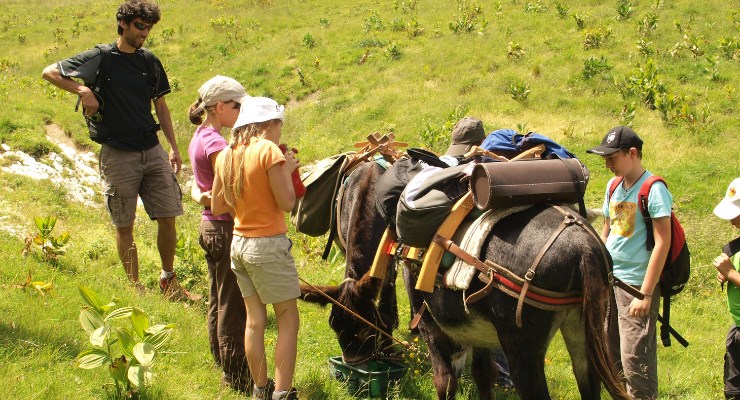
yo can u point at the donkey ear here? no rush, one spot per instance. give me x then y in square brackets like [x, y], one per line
[313, 294]
[368, 287]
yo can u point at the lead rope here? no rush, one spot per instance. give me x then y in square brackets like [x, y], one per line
[368, 323]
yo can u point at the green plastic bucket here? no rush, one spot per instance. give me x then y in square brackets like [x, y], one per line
[369, 379]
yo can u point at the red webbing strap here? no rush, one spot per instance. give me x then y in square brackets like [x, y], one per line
[550, 301]
[398, 249]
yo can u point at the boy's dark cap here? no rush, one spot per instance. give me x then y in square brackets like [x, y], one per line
[620, 137]
[466, 133]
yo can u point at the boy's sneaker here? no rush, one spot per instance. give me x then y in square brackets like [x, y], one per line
[264, 392]
[172, 290]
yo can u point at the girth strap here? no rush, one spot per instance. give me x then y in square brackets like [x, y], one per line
[568, 220]
[450, 246]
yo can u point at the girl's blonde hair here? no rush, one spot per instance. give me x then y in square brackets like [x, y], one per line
[233, 158]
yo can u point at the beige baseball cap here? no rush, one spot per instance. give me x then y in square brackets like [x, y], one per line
[220, 88]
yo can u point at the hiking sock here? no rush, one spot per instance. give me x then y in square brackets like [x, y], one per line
[166, 274]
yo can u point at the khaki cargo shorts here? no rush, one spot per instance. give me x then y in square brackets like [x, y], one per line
[148, 174]
[264, 266]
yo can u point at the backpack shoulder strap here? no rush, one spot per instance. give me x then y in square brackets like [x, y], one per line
[642, 196]
[615, 182]
[105, 58]
[642, 202]
[103, 70]
[152, 69]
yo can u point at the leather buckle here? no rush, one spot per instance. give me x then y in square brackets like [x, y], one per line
[529, 275]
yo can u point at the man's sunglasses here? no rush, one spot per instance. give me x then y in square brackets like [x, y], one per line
[142, 26]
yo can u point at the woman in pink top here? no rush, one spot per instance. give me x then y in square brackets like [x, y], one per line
[253, 183]
[219, 99]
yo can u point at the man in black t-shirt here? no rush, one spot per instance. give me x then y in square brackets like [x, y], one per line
[132, 162]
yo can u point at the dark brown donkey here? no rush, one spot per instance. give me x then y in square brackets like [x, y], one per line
[574, 262]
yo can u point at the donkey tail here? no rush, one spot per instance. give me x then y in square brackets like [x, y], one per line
[594, 269]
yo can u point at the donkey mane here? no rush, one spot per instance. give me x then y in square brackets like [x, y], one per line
[362, 217]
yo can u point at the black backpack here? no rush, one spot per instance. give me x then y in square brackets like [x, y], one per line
[98, 131]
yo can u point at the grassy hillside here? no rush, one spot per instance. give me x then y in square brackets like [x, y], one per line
[570, 70]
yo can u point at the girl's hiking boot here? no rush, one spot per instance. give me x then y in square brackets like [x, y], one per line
[291, 394]
[264, 392]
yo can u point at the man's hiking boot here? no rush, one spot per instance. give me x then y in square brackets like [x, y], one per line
[172, 290]
[264, 392]
[139, 287]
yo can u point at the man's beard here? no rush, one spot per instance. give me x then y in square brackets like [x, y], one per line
[134, 42]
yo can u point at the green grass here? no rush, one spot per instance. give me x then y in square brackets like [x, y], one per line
[352, 81]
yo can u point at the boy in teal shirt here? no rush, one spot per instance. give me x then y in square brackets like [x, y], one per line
[728, 266]
[632, 335]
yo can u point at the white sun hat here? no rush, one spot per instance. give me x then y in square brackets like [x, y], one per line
[259, 109]
[729, 207]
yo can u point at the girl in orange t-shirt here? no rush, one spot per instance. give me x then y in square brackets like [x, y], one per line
[253, 182]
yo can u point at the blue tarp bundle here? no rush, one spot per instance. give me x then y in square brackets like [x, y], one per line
[508, 140]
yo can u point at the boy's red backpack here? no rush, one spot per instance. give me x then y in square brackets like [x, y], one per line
[677, 268]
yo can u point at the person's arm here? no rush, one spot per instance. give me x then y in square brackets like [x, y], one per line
[165, 121]
[725, 268]
[89, 102]
[218, 201]
[662, 235]
[605, 230]
[281, 183]
[204, 198]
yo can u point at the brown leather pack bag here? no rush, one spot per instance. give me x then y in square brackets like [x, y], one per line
[497, 185]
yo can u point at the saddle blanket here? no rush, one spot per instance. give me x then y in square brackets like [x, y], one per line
[460, 274]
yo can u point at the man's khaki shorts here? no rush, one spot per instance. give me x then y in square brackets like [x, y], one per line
[264, 266]
[130, 174]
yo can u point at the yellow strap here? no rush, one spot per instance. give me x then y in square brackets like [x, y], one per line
[382, 258]
[435, 252]
[415, 253]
